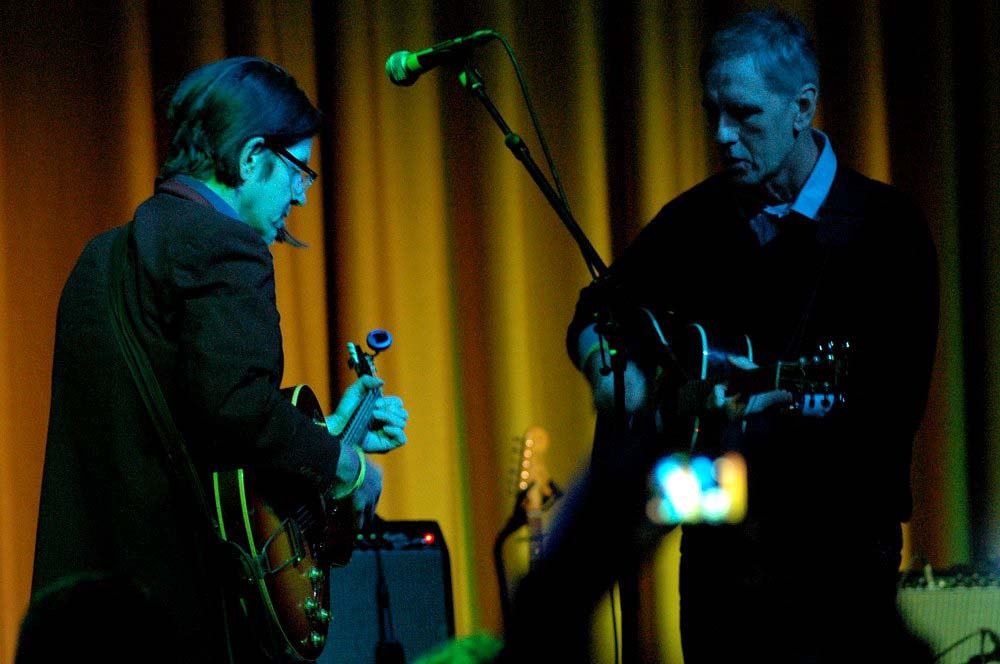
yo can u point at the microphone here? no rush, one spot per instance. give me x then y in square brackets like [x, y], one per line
[404, 68]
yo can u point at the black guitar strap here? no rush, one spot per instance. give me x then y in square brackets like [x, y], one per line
[145, 380]
[794, 347]
[174, 447]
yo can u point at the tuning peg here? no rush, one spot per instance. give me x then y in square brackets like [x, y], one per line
[378, 340]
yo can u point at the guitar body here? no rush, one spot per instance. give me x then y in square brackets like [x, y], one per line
[291, 541]
[706, 360]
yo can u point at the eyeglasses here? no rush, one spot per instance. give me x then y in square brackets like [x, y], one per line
[307, 174]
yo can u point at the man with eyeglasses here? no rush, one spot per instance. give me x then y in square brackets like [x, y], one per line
[194, 275]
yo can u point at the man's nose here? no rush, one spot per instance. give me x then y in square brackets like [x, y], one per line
[725, 131]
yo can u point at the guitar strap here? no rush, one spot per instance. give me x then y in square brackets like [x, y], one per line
[139, 366]
[178, 459]
[794, 347]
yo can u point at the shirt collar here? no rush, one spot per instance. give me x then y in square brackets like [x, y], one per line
[817, 186]
[213, 198]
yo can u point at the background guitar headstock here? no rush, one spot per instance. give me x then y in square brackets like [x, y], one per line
[533, 476]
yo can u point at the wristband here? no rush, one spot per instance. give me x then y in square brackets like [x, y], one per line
[596, 346]
[363, 470]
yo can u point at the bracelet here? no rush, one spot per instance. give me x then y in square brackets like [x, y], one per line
[361, 475]
[596, 346]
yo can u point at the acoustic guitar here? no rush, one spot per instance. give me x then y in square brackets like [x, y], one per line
[288, 538]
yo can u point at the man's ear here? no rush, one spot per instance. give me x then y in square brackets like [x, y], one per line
[250, 157]
[805, 106]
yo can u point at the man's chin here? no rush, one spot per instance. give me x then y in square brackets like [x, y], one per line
[741, 176]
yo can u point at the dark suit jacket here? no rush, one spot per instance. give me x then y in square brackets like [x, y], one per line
[200, 293]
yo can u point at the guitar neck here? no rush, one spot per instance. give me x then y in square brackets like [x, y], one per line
[790, 376]
[536, 538]
[534, 481]
[360, 423]
[753, 381]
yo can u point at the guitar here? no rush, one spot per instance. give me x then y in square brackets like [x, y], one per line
[289, 539]
[533, 480]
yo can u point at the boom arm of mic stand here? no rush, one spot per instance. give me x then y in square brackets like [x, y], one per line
[473, 82]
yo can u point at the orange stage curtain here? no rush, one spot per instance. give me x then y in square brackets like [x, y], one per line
[423, 223]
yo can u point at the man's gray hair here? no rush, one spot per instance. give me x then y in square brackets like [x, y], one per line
[780, 45]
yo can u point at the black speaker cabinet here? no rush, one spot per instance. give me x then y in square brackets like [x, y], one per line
[415, 606]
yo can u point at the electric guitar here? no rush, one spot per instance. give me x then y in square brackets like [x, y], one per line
[534, 481]
[289, 539]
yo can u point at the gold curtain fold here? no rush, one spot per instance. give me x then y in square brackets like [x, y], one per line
[392, 269]
[423, 223]
[76, 136]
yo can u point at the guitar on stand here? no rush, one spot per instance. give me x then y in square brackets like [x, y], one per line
[536, 493]
[536, 487]
[289, 538]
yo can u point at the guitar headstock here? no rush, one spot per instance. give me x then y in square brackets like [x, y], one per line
[533, 476]
[363, 363]
[819, 381]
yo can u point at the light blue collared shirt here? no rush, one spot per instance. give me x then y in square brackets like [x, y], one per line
[216, 201]
[810, 198]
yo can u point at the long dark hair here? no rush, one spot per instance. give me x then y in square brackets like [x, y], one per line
[221, 105]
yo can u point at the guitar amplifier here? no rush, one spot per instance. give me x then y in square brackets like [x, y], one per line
[415, 606]
[957, 613]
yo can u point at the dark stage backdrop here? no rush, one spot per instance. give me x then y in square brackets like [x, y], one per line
[422, 222]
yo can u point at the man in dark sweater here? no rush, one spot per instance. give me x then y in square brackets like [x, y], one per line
[792, 249]
[198, 293]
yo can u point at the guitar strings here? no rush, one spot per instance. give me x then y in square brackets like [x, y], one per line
[362, 416]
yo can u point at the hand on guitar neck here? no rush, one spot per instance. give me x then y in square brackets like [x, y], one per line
[736, 406]
[365, 420]
[388, 414]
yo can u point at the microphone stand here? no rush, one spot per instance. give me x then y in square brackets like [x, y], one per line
[607, 326]
[388, 650]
